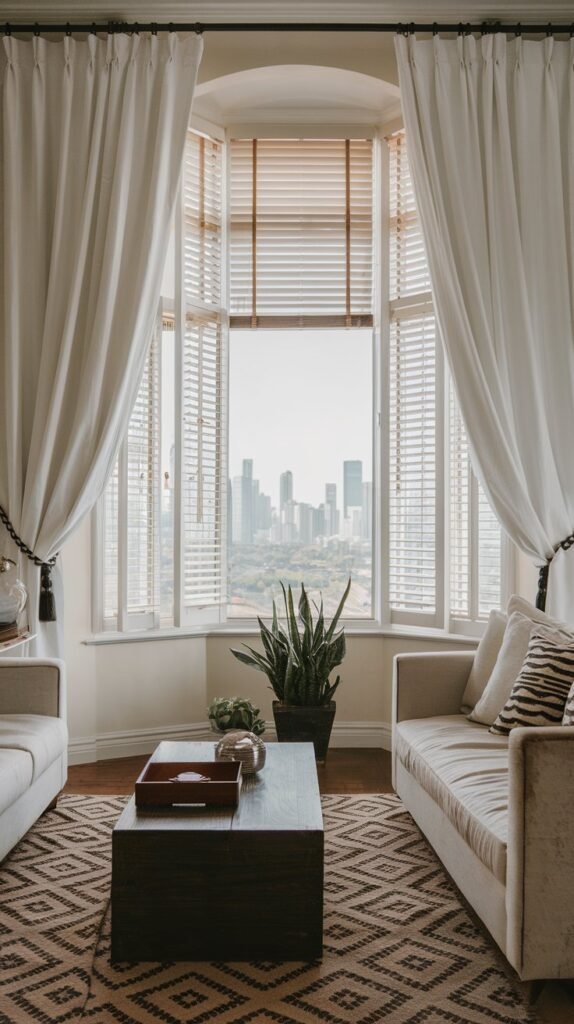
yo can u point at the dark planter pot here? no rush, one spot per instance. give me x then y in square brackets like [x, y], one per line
[305, 725]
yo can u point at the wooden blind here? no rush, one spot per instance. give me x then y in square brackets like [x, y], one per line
[301, 233]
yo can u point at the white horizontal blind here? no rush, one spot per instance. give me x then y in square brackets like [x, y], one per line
[473, 558]
[143, 490]
[460, 501]
[202, 459]
[130, 511]
[202, 220]
[413, 408]
[475, 534]
[110, 527]
[201, 328]
[301, 233]
[142, 537]
[412, 439]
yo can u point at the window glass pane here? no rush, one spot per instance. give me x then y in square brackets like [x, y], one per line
[300, 485]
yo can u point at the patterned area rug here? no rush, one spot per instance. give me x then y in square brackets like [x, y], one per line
[400, 945]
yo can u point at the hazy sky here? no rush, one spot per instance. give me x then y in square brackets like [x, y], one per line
[300, 400]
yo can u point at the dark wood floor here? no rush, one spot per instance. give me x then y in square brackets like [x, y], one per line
[346, 771]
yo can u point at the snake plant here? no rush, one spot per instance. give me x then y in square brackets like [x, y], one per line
[298, 661]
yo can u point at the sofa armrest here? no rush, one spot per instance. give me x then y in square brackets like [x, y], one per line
[425, 685]
[540, 866]
[32, 686]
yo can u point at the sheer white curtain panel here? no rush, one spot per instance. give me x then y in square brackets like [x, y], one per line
[92, 133]
[490, 136]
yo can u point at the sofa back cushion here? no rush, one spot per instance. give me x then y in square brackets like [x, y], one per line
[484, 660]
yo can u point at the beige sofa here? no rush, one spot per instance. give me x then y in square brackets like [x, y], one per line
[33, 743]
[497, 810]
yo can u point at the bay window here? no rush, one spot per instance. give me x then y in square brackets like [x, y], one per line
[256, 448]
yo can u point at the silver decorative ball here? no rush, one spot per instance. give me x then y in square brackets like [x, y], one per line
[242, 746]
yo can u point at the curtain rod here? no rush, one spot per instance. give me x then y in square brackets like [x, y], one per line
[406, 28]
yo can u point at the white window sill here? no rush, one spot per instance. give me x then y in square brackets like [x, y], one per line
[371, 629]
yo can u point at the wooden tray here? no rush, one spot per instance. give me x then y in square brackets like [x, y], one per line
[154, 788]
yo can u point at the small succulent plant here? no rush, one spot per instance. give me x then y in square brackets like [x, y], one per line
[240, 713]
[297, 662]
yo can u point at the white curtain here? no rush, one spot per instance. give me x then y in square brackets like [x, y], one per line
[490, 136]
[92, 135]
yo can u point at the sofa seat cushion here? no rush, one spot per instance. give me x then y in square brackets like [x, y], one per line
[41, 736]
[464, 768]
[16, 769]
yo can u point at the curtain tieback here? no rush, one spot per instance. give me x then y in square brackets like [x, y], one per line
[47, 610]
[565, 544]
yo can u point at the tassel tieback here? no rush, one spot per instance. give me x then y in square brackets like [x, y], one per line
[47, 609]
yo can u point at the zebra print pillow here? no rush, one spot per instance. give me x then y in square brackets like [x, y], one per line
[568, 716]
[539, 694]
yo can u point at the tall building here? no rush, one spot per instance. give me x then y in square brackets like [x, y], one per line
[285, 488]
[367, 519]
[304, 520]
[352, 485]
[243, 510]
[331, 524]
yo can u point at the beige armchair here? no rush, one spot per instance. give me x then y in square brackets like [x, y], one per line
[33, 743]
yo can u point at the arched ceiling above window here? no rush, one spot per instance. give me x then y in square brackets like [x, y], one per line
[297, 93]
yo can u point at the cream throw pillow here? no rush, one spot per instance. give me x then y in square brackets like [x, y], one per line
[519, 604]
[484, 660]
[509, 663]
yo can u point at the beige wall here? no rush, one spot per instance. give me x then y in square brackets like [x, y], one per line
[369, 53]
[130, 686]
[127, 688]
[364, 694]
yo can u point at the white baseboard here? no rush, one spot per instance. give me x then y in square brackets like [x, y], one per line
[110, 745]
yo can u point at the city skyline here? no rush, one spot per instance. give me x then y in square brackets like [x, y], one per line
[254, 519]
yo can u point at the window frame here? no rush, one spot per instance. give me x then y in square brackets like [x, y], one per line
[384, 620]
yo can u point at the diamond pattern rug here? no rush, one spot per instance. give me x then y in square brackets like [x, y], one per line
[401, 946]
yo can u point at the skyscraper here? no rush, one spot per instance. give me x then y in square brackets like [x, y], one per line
[285, 488]
[367, 521]
[352, 485]
[243, 517]
[331, 525]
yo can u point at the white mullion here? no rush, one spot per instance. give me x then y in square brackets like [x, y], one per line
[447, 497]
[381, 341]
[180, 312]
[473, 544]
[158, 482]
[123, 537]
[225, 356]
[441, 440]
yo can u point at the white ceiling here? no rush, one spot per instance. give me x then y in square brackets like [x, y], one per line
[285, 10]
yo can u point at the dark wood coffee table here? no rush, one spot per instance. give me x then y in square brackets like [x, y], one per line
[242, 883]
